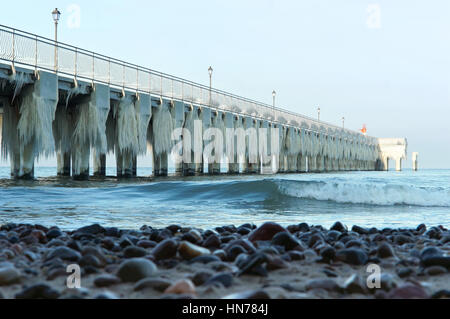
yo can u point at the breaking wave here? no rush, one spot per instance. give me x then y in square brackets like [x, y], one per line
[366, 193]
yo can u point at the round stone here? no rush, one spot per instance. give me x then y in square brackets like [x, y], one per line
[165, 249]
[266, 232]
[136, 269]
[189, 251]
[353, 256]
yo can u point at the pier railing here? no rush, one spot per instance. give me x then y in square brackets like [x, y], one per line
[40, 53]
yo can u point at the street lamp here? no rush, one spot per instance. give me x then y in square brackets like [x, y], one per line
[56, 15]
[318, 113]
[343, 122]
[210, 71]
[274, 95]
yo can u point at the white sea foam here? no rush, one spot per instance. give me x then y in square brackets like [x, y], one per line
[367, 193]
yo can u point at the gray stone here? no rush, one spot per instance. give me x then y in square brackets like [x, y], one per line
[38, 291]
[106, 280]
[9, 275]
[353, 256]
[64, 253]
[136, 269]
[157, 284]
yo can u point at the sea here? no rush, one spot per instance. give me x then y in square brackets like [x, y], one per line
[369, 199]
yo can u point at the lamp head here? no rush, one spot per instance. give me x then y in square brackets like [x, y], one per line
[56, 14]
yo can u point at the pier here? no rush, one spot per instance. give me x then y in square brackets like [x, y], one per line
[59, 99]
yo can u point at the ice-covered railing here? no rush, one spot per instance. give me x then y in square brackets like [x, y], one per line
[30, 50]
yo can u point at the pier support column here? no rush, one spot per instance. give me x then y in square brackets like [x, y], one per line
[312, 164]
[415, 164]
[30, 125]
[99, 164]
[398, 164]
[265, 147]
[301, 163]
[90, 129]
[80, 161]
[320, 166]
[63, 164]
[162, 127]
[385, 164]
[178, 116]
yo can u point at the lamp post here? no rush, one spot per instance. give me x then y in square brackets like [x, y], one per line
[274, 95]
[56, 15]
[343, 122]
[210, 71]
[318, 113]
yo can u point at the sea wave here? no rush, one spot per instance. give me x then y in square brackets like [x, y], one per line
[339, 191]
[381, 194]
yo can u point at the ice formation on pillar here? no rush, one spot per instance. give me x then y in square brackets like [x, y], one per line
[127, 127]
[251, 137]
[63, 127]
[35, 124]
[161, 137]
[217, 123]
[292, 148]
[162, 130]
[188, 135]
[89, 132]
[11, 113]
[126, 144]
[239, 142]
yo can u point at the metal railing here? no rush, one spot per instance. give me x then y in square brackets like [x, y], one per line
[40, 53]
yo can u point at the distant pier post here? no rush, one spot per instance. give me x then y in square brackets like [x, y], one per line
[415, 162]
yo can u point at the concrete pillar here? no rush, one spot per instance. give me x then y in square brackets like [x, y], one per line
[320, 163]
[63, 163]
[29, 139]
[301, 163]
[265, 147]
[99, 164]
[415, 165]
[178, 116]
[215, 143]
[162, 127]
[398, 164]
[91, 114]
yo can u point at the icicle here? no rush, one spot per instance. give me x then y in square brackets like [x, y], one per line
[143, 119]
[162, 130]
[127, 127]
[19, 79]
[63, 128]
[35, 124]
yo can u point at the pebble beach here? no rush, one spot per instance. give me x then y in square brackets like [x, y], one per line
[266, 261]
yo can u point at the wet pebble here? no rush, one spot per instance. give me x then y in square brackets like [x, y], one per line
[353, 256]
[135, 269]
[165, 249]
[64, 253]
[385, 251]
[225, 280]
[106, 280]
[286, 240]
[266, 232]
[134, 251]
[38, 291]
[181, 287]
[9, 275]
[158, 284]
[189, 251]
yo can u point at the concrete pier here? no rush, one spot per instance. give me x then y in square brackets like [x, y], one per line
[79, 121]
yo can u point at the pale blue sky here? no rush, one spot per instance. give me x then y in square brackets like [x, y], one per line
[394, 77]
